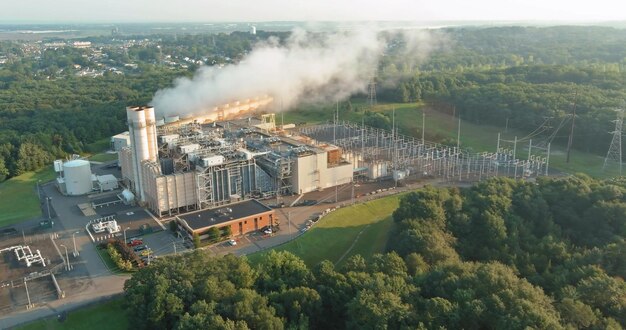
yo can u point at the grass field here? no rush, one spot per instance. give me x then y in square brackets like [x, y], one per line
[103, 157]
[442, 126]
[19, 196]
[360, 229]
[108, 315]
[99, 146]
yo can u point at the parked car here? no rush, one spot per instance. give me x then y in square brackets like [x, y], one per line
[232, 242]
[267, 231]
[308, 202]
[136, 242]
[140, 248]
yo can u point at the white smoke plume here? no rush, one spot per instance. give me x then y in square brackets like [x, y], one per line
[306, 67]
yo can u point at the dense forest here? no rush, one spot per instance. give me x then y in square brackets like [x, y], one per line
[526, 76]
[502, 254]
[521, 74]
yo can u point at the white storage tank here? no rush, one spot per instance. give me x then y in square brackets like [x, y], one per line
[77, 176]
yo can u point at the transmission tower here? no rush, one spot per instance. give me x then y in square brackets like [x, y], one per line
[372, 92]
[615, 150]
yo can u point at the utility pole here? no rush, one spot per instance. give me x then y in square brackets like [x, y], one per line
[423, 125]
[289, 221]
[615, 149]
[30, 305]
[498, 145]
[67, 258]
[352, 193]
[335, 118]
[548, 159]
[571, 133]
[74, 239]
[515, 149]
[458, 135]
[48, 206]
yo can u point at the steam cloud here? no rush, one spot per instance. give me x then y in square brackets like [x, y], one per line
[307, 67]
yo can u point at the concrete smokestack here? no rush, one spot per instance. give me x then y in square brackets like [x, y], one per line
[142, 129]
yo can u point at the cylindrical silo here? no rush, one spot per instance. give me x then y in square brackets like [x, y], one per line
[151, 130]
[142, 131]
[138, 133]
[77, 175]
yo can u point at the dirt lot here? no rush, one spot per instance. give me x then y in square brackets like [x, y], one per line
[12, 272]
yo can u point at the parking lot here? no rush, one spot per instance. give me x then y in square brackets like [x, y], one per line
[163, 243]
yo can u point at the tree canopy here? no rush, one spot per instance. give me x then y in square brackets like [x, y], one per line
[502, 254]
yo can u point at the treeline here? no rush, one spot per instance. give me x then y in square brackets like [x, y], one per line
[564, 238]
[523, 75]
[503, 254]
[46, 115]
[41, 120]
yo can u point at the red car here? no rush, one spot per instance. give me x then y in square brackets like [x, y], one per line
[135, 242]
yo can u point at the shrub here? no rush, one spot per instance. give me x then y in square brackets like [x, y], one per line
[117, 258]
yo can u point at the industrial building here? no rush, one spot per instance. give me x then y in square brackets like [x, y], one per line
[75, 178]
[120, 141]
[176, 165]
[242, 218]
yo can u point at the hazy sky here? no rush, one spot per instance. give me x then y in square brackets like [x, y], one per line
[307, 10]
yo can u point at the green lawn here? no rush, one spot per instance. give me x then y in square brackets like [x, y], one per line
[19, 196]
[334, 236]
[99, 146]
[108, 315]
[108, 262]
[103, 157]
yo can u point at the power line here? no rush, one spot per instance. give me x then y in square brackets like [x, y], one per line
[372, 92]
[615, 149]
[571, 134]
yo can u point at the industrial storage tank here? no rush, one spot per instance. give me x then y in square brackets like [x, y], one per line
[77, 175]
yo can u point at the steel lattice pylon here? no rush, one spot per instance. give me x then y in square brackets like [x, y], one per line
[615, 150]
[372, 92]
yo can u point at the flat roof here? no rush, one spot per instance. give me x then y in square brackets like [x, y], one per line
[210, 217]
[106, 178]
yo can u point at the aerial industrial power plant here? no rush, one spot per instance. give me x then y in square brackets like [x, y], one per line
[335, 175]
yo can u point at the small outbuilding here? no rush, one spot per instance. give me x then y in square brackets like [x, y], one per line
[107, 182]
